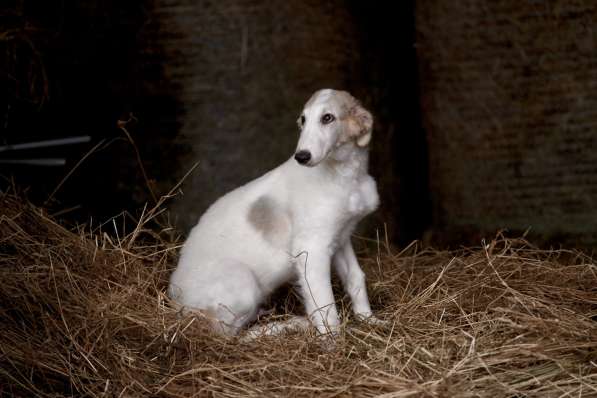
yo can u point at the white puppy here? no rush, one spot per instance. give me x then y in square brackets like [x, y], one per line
[293, 222]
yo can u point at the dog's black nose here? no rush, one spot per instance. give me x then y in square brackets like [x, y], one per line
[302, 156]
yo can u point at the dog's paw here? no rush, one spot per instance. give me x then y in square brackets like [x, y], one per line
[330, 341]
[373, 320]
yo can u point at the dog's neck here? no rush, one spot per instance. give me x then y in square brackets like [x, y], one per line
[348, 161]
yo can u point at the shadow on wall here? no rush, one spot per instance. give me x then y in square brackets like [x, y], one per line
[390, 82]
[75, 69]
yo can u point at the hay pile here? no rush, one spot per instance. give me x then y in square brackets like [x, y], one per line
[84, 314]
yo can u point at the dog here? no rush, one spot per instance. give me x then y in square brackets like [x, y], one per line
[294, 222]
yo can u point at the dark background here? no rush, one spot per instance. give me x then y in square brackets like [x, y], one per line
[484, 111]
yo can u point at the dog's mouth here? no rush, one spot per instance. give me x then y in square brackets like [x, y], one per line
[309, 164]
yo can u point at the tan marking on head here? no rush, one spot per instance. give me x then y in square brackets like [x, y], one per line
[358, 120]
[363, 121]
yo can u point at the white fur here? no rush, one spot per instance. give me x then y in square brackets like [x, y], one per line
[293, 222]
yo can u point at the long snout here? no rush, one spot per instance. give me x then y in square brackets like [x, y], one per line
[311, 149]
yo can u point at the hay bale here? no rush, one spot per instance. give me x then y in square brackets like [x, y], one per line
[84, 314]
[510, 105]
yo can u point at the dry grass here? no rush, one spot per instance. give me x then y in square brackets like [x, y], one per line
[84, 314]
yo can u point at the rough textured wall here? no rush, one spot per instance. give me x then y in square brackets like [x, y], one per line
[75, 68]
[510, 105]
[218, 83]
[246, 68]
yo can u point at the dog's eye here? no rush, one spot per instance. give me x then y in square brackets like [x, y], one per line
[327, 118]
[302, 120]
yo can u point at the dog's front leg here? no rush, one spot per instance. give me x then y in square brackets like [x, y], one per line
[353, 279]
[313, 265]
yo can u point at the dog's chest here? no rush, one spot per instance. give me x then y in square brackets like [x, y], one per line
[363, 198]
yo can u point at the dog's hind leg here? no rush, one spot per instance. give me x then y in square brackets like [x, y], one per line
[227, 292]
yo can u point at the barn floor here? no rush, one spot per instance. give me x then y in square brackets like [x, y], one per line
[84, 314]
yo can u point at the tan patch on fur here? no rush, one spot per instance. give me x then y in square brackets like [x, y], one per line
[351, 132]
[354, 127]
[266, 217]
[358, 126]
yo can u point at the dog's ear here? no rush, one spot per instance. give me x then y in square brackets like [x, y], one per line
[362, 123]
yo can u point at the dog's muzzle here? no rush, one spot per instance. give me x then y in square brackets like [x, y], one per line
[302, 157]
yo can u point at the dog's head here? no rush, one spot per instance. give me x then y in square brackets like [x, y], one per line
[331, 119]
